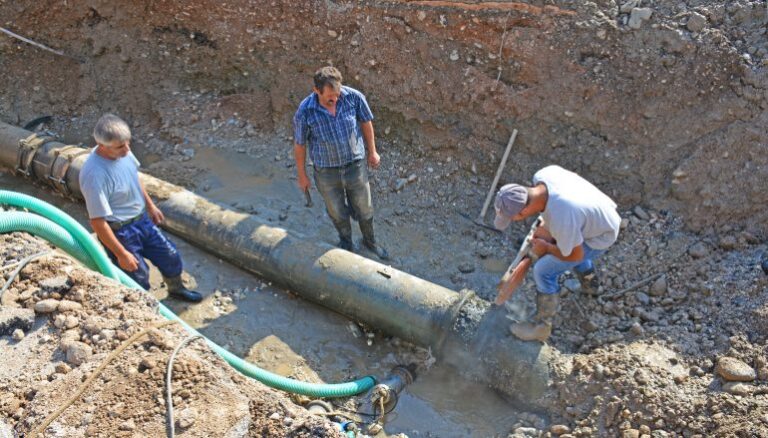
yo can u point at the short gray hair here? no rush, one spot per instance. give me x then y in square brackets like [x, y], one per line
[111, 128]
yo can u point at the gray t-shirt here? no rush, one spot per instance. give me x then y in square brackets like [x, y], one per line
[577, 212]
[111, 187]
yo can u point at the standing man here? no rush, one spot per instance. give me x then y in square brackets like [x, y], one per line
[335, 124]
[579, 223]
[122, 214]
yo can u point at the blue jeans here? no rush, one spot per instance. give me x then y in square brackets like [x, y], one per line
[547, 270]
[345, 190]
[144, 239]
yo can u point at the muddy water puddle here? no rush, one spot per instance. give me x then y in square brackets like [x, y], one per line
[290, 336]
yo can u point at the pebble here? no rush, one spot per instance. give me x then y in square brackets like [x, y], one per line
[128, 425]
[737, 388]
[624, 224]
[71, 322]
[734, 370]
[78, 353]
[56, 284]
[728, 243]
[630, 433]
[638, 16]
[400, 183]
[332, 33]
[46, 306]
[642, 298]
[637, 329]
[698, 250]
[641, 213]
[466, 268]
[275, 416]
[526, 432]
[186, 418]
[659, 287]
[69, 306]
[18, 334]
[63, 368]
[559, 429]
[696, 22]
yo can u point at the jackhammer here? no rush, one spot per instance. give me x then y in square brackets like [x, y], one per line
[515, 274]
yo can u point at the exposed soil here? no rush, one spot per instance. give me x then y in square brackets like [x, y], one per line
[43, 367]
[666, 114]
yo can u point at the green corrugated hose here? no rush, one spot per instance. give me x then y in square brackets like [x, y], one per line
[61, 230]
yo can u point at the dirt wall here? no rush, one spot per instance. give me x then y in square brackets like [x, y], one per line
[668, 111]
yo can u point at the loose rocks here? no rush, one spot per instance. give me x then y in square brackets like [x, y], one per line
[15, 318]
[734, 370]
[47, 306]
[696, 22]
[78, 353]
[638, 16]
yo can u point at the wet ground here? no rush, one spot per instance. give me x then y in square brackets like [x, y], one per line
[285, 334]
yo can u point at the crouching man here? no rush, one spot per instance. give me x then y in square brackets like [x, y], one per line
[579, 223]
[122, 214]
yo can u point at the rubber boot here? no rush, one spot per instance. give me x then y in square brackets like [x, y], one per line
[345, 236]
[366, 227]
[539, 327]
[177, 289]
[590, 284]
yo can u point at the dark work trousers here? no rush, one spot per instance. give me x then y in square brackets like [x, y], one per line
[345, 190]
[144, 239]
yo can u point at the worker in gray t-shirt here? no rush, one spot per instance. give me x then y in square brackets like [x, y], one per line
[579, 222]
[123, 215]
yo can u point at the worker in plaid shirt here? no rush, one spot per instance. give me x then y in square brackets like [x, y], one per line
[335, 124]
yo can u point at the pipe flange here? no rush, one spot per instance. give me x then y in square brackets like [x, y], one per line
[28, 148]
[62, 160]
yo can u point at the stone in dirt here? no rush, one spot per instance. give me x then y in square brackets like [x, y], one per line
[638, 16]
[15, 318]
[18, 334]
[559, 429]
[78, 353]
[659, 287]
[698, 250]
[737, 388]
[186, 418]
[734, 370]
[46, 306]
[641, 213]
[68, 306]
[696, 22]
[56, 284]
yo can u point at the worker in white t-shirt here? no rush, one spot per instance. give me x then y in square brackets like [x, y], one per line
[579, 223]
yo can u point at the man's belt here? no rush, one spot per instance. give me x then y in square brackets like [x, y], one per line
[117, 225]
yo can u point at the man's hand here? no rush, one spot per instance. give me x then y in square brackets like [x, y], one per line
[539, 246]
[374, 160]
[543, 233]
[303, 182]
[155, 214]
[127, 262]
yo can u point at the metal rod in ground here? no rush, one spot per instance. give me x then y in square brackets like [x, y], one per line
[487, 203]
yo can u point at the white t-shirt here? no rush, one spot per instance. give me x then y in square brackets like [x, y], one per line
[111, 187]
[577, 212]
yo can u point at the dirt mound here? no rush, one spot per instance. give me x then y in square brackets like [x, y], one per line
[660, 104]
[81, 318]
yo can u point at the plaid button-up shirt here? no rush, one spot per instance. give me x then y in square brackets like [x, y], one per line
[333, 141]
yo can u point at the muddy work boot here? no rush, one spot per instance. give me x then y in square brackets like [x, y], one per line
[590, 284]
[366, 227]
[177, 289]
[539, 327]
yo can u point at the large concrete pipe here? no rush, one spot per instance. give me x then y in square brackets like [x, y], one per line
[385, 298]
